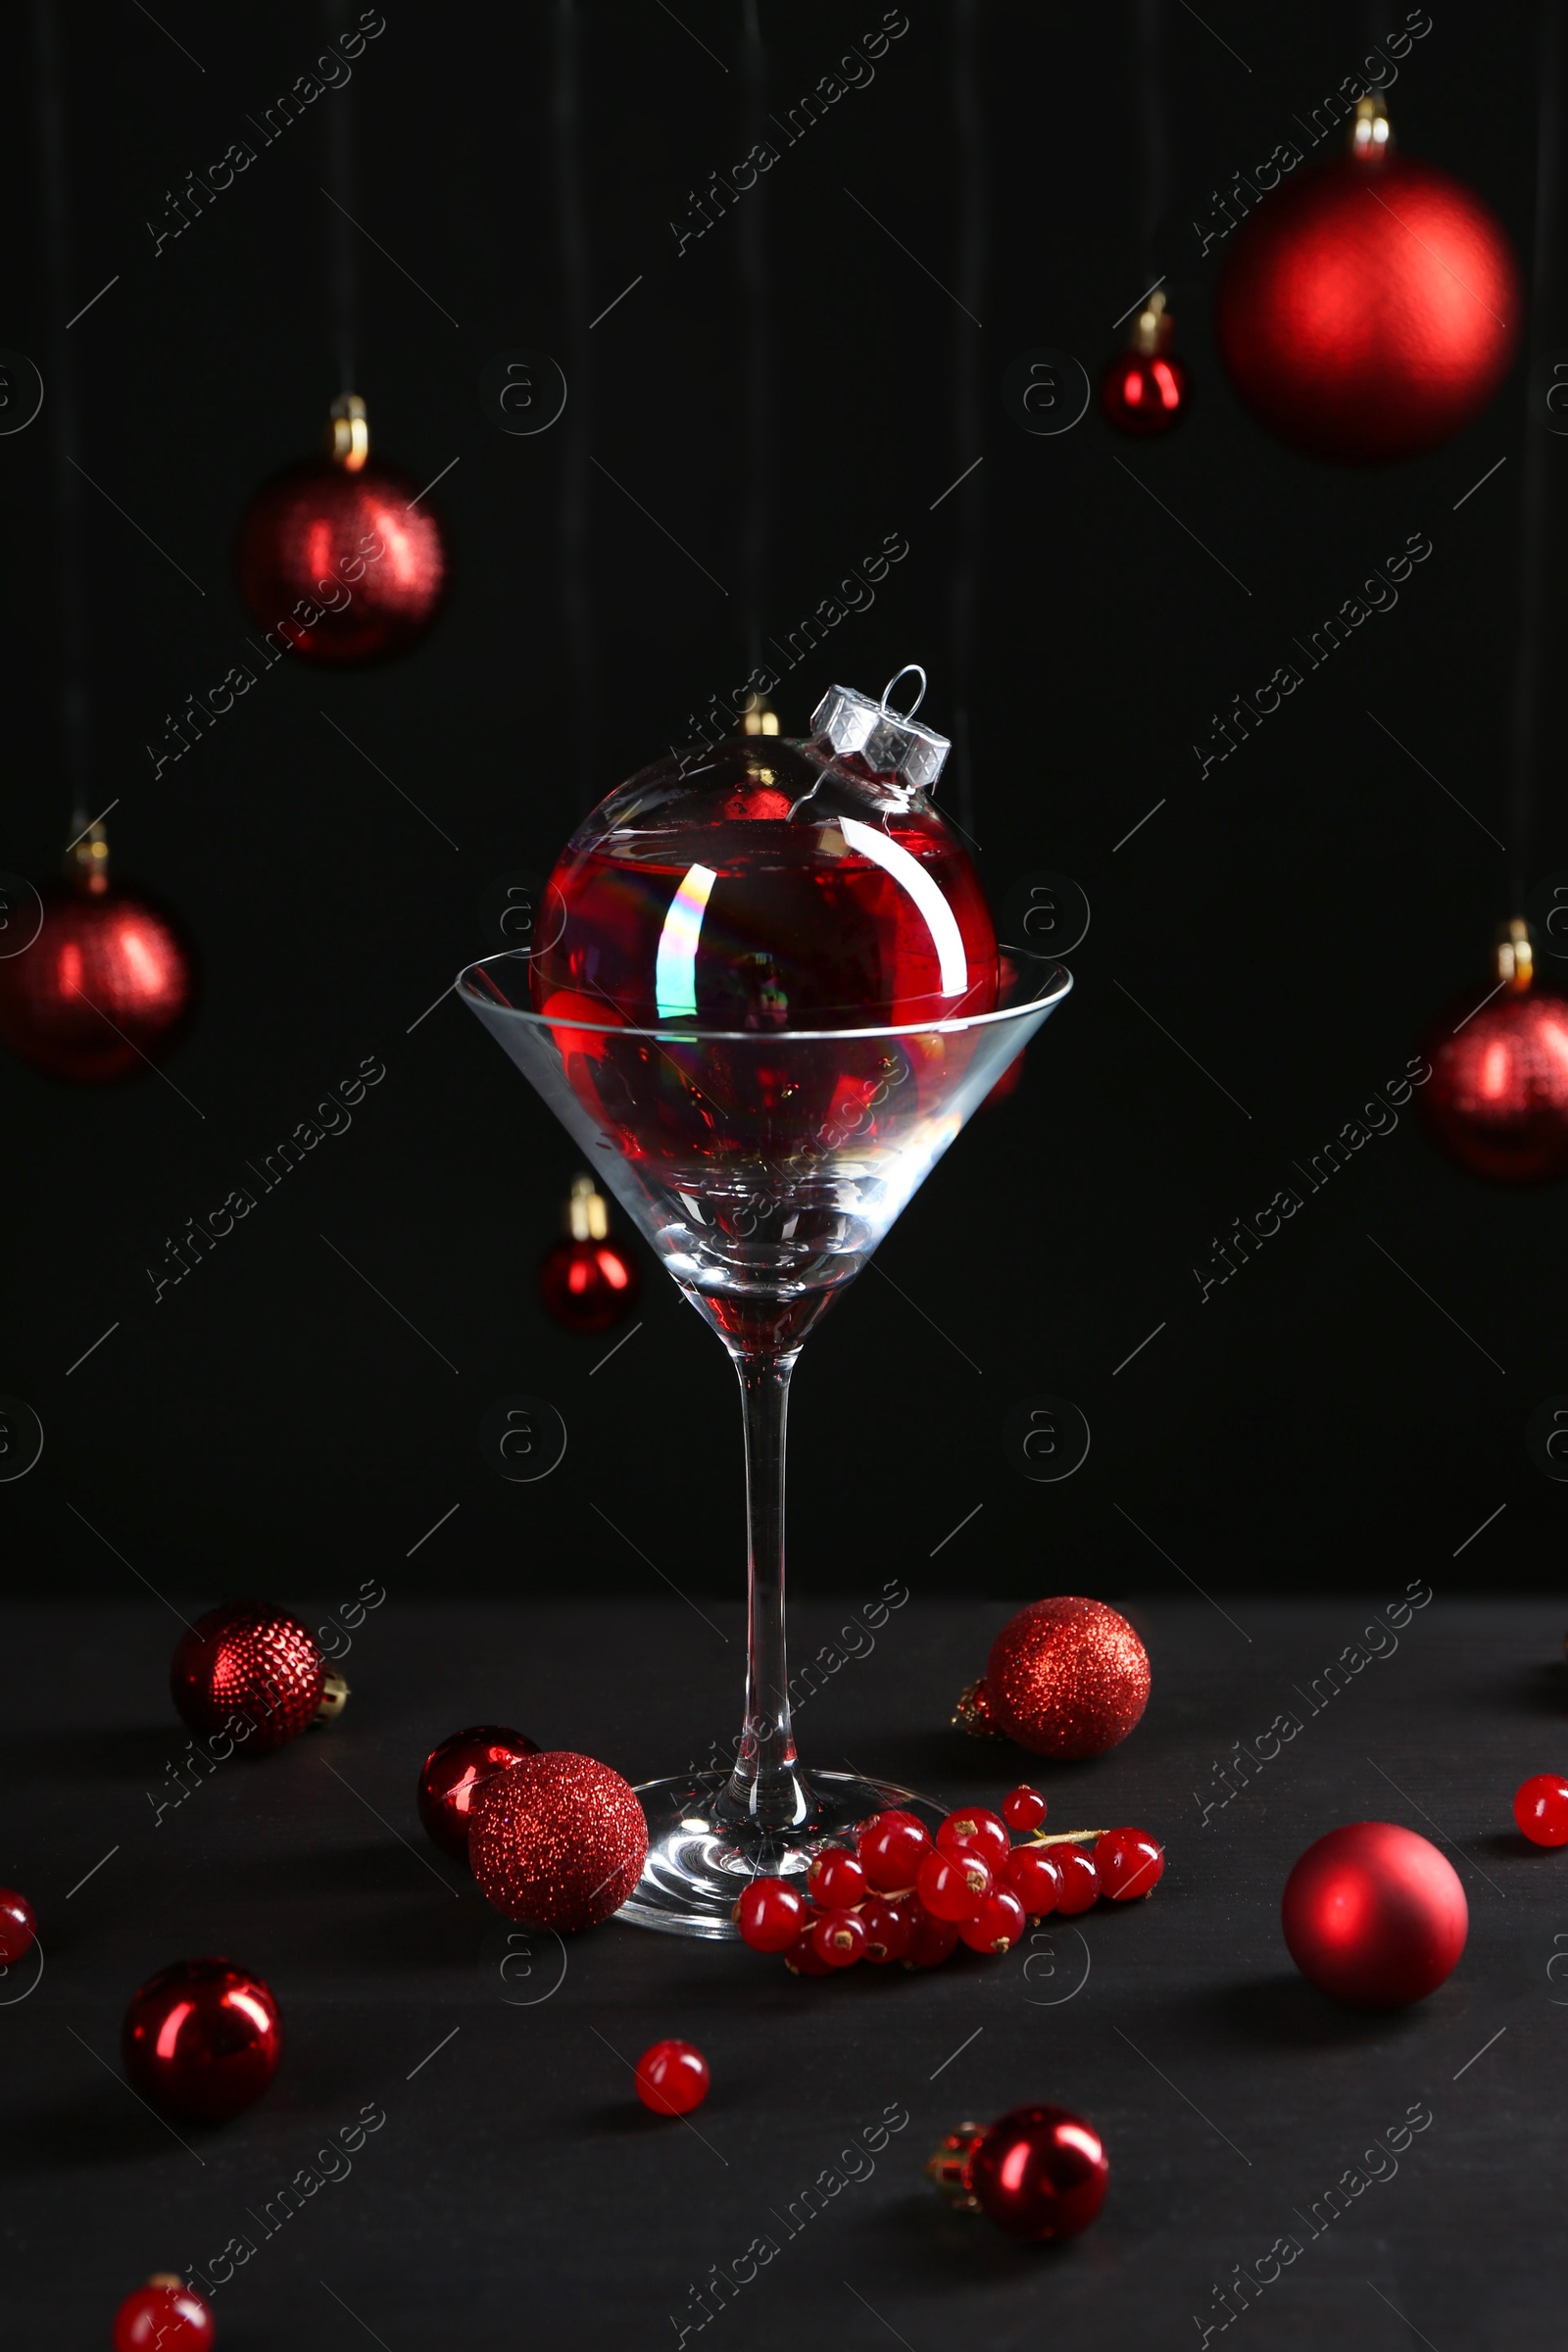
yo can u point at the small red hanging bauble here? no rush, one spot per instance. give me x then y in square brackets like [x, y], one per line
[1144, 388]
[1497, 1097]
[164, 2316]
[557, 1840]
[1369, 310]
[1038, 2173]
[201, 2040]
[255, 1672]
[587, 1282]
[1374, 1915]
[108, 985]
[454, 1774]
[343, 560]
[1066, 1678]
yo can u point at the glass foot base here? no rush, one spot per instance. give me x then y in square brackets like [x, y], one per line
[700, 1859]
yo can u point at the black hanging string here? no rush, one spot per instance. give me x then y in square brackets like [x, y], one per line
[968, 401]
[1157, 133]
[575, 481]
[1533, 532]
[60, 399]
[1379, 22]
[757, 513]
[341, 126]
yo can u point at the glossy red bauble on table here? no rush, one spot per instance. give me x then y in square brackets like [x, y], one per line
[1127, 1864]
[18, 1927]
[201, 2040]
[1498, 1097]
[587, 1282]
[1375, 1916]
[108, 986]
[1066, 1677]
[1039, 2173]
[164, 2316]
[1541, 1808]
[253, 1672]
[557, 1840]
[672, 2078]
[454, 1772]
[1369, 307]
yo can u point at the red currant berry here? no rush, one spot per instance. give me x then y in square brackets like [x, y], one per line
[933, 1939]
[1131, 1863]
[974, 1831]
[165, 2314]
[17, 1927]
[889, 1930]
[1541, 1808]
[1080, 1879]
[839, 1938]
[836, 1880]
[953, 1885]
[1025, 1809]
[892, 1847]
[805, 1960]
[997, 1923]
[672, 2078]
[1035, 1879]
[770, 1915]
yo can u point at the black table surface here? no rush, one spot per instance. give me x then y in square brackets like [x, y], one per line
[516, 2194]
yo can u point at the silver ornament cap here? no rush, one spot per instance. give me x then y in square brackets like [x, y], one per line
[889, 741]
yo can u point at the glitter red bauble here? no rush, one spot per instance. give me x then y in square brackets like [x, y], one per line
[1375, 1916]
[201, 2040]
[557, 1840]
[1369, 308]
[342, 565]
[164, 2316]
[248, 1664]
[587, 1286]
[1066, 1677]
[1040, 2173]
[106, 988]
[454, 1772]
[18, 1927]
[1498, 1097]
[1144, 395]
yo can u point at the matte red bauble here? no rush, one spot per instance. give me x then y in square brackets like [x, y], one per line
[342, 560]
[108, 986]
[164, 2316]
[1038, 2173]
[1498, 1097]
[201, 2040]
[453, 1775]
[557, 1840]
[1066, 1678]
[587, 1281]
[255, 1672]
[1375, 1916]
[1370, 307]
[1142, 391]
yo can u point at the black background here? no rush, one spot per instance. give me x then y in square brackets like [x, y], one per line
[1294, 922]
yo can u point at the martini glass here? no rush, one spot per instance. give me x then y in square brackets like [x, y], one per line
[764, 1169]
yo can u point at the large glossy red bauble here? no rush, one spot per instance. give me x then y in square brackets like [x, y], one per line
[557, 1840]
[453, 1775]
[1040, 2173]
[1498, 1097]
[1375, 1916]
[249, 1670]
[1066, 1677]
[164, 2316]
[106, 988]
[1369, 308]
[344, 568]
[18, 1927]
[201, 2040]
[1144, 395]
[588, 1285]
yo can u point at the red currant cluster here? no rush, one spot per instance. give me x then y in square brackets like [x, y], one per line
[898, 1894]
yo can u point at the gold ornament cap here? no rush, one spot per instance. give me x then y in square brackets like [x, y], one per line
[758, 716]
[949, 2168]
[87, 859]
[1371, 132]
[1514, 957]
[334, 1699]
[1152, 327]
[347, 433]
[973, 1715]
[587, 1217]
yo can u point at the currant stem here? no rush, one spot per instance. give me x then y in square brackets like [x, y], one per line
[1067, 1837]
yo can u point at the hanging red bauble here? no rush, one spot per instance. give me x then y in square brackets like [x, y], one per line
[454, 1774]
[18, 1927]
[1038, 2173]
[108, 985]
[342, 559]
[254, 1673]
[201, 2040]
[1369, 310]
[164, 2316]
[587, 1282]
[1144, 388]
[1375, 1916]
[1497, 1097]
[557, 1840]
[1066, 1678]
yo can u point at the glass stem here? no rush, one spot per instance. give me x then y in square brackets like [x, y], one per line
[767, 1783]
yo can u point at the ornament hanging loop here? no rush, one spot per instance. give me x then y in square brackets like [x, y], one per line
[87, 859]
[910, 670]
[1370, 130]
[347, 433]
[1515, 956]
